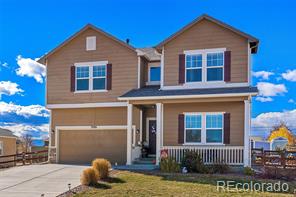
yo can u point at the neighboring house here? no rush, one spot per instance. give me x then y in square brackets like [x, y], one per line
[7, 146]
[191, 91]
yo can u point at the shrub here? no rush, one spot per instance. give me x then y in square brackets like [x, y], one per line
[219, 167]
[102, 166]
[89, 176]
[248, 171]
[193, 162]
[169, 165]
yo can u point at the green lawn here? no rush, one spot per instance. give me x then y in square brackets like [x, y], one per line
[126, 183]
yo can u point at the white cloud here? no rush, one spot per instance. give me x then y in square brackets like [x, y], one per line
[270, 89]
[292, 101]
[31, 68]
[22, 129]
[25, 111]
[264, 99]
[4, 64]
[271, 119]
[262, 74]
[9, 88]
[290, 75]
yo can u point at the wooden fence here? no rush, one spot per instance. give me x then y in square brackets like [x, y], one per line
[284, 159]
[23, 158]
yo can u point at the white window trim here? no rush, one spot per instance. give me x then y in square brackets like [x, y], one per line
[90, 77]
[204, 67]
[91, 43]
[1, 147]
[203, 129]
[149, 82]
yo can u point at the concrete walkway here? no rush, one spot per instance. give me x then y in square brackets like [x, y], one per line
[34, 180]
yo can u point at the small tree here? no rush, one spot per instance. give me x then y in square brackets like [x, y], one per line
[27, 142]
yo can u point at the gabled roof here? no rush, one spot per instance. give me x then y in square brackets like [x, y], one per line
[149, 53]
[253, 41]
[6, 133]
[88, 26]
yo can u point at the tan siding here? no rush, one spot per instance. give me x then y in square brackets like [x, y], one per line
[9, 148]
[81, 147]
[236, 110]
[206, 35]
[124, 70]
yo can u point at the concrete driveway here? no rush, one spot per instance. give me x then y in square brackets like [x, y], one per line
[34, 180]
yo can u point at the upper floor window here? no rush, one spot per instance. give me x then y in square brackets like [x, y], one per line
[204, 65]
[1, 148]
[91, 76]
[154, 74]
[82, 78]
[99, 77]
[203, 128]
[215, 63]
[193, 68]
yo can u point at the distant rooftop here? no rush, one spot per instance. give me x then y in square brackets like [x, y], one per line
[6, 133]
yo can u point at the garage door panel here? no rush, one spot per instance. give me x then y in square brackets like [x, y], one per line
[81, 147]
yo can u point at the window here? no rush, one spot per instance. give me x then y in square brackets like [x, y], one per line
[203, 128]
[215, 63]
[82, 77]
[214, 128]
[1, 148]
[91, 76]
[193, 68]
[193, 128]
[99, 77]
[206, 65]
[154, 74]
[91, 43]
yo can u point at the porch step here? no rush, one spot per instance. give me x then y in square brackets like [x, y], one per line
[136, 167]
[143, 162]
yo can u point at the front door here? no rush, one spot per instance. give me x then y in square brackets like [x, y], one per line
[152, 136]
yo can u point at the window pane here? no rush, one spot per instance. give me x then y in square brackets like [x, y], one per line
[214, 121]
[193, 75]
[154, 73]
[82, 72]
[215, 59]
[82, 84]
[215, 74]
[214, 135]
[193, 61]
[99, 71]
[99, 84]
[193, 135]
[193, 121]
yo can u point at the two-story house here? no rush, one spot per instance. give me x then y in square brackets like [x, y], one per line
[191, 91]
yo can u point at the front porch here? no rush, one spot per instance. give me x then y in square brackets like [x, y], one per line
[153, 133]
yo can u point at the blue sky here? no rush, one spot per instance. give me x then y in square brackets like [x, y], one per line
[28, 29]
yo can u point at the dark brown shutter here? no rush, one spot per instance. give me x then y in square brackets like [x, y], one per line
[72, 77]
[181, 68]
[181, 129]
[227, 128]
[109, 76]
[227, 66]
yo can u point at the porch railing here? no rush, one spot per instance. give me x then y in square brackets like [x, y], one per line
[232, 155]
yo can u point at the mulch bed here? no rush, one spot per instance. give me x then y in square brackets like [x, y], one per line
[82, 188]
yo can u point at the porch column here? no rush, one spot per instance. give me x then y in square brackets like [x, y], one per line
[158, 130]
[129, 134]
[247, 157]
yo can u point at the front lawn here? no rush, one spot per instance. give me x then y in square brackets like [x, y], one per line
[126, 183]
